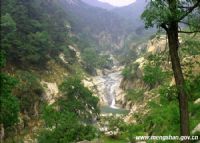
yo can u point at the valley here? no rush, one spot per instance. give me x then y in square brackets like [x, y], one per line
[85, 71]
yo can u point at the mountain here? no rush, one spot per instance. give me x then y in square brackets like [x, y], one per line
[133, 14]
[132, 11]
[106, 28]
[99, 4]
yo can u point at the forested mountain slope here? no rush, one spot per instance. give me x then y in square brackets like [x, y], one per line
[102, 27]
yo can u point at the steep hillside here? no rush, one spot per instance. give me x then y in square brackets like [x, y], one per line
[106, 29]
[150, 89]
[133, 13]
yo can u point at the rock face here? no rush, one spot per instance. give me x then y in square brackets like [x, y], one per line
[136, 81]
[157, 45]
[51, 91]
[107, 86]
[78, 54]
[196, 129]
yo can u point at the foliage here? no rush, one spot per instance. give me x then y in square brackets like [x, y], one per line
[133, 130]
[78, 99]
[89, 55]
[135, 95]
[9, 104]
[163, 115]
[63, 126]
[32, 31]
[70, 118]
[191, 46]
[29, 92]
[162, 119]
[118, 129]
[130, 71]
[168, 94]
[106, 139]
[114, 125]
[169, 15]
[93, 60]
[104, 61]
[159, 12]
[192, 87]
[154, 75]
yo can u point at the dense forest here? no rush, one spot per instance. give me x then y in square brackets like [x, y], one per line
[81, 71]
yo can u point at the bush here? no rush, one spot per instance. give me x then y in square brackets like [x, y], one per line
[9, 104]
[135, 95]
[64, 127]
[129, 71]
[168, 94]
[29, 92]
[70, 118]
[154, 75]
[133, 130]
[78, 99]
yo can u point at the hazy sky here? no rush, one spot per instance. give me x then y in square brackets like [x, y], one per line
[118, 2]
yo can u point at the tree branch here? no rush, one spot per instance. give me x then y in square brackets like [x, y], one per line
[186, 23]
[190, 10]
[186, 7]
[164, 26]
[189, 32]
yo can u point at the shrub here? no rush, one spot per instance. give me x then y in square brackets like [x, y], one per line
[135, 95]
[129, 71]
[154, 75]
[70, 118]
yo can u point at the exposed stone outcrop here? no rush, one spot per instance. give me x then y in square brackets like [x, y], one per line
[78, 54]
[51, 91]
[157, 45]
[197, 101]
[98, 84]
[196, 129]
[136, 82]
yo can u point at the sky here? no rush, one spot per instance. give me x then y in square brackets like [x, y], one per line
[118, 2]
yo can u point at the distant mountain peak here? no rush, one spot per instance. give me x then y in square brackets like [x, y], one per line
[96, 3]
[72, 2]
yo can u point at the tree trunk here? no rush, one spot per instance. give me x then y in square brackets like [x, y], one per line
[179, 79]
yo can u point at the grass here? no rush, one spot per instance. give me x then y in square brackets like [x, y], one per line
[106, 139]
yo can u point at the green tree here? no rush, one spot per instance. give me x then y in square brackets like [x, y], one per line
[114, 125]
[133, 130]
[154, 75]
[64, 126]
[32, 32]
[9, 104]
[168, 14]
[70, 118]
[90, 57]
[29, 92]
[78, 99]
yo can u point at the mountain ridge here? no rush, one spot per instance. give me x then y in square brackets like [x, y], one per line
[99, 4]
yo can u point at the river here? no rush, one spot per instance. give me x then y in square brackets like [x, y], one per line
[108, 86]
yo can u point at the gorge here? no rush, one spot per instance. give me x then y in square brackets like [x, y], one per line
[83, 71]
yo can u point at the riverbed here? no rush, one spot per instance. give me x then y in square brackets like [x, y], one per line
[108, 86]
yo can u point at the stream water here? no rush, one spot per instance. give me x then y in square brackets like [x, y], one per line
[112, 85]
[109, 87]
